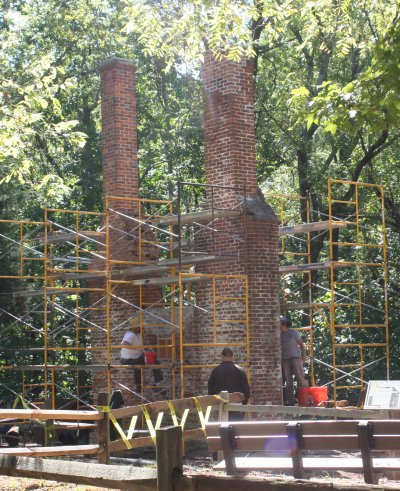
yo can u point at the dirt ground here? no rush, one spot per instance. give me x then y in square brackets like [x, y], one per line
[193, 466]
[23, 484]
[201, 466]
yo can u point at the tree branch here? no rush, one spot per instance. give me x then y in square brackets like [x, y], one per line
[307, 56]
[42, 144]
[369, 155]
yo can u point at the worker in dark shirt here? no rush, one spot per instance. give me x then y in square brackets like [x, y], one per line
[231, 378]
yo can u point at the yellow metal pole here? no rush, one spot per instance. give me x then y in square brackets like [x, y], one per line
[108, 295]
[47, 263]
[181, 360]
[248, 359]
[214, 292]
[172, 304]
[310, 296]
[332, 286]
[21, 251]
[357, 219]
[385, 278]
[172, 331]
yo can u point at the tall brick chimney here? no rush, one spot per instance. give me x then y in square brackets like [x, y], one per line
[120, 179]
[119, 138]
[230, 156]
[121, 186]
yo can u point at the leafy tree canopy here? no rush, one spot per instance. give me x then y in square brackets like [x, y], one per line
[34, 130]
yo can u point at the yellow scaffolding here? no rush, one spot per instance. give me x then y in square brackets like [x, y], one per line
[163, 264]
[349, 233]
[151, 248]
[18, 241]
[70, 247]
[230, 296]
[84, 266]
[292, 209]
[363, 281]
[43, 263]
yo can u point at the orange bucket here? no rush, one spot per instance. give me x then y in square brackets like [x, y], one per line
[311, 396]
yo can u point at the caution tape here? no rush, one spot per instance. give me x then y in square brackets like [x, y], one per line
[173, 413]
[184, 417]
[36, 421]
[106, 409]
[23, 402]
[103, 409]
[203, 417]
[150, 426]
[132, 426]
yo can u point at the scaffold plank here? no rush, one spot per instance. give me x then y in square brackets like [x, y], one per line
[167, 263]
[68, 236]
[304, 306]
[303, 268]
[154, 267]
[62, 368]
[169, 280]
[54, 291]
[198, 216]
[310, 227]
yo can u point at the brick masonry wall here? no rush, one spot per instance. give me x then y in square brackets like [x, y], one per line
[230, 151]
[231, 161]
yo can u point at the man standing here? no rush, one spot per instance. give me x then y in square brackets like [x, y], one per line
[229, 377]
[293, 358]
[133, 353]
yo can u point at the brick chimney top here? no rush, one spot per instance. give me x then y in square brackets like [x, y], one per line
[116, 61]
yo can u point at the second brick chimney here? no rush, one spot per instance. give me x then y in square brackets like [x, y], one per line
[230, 156]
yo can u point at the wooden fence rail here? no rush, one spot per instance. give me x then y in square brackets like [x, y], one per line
[167, 477]
[186, 420]
[190, 414]
[344, 412]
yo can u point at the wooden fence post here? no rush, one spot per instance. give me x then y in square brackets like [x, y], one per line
[222, 414]
[169, 456]
[103, 431]
[394, 454]
[48, 428]
[223, 417]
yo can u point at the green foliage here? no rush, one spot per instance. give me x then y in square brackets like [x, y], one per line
[372, 101]
[170, 130]
[182, 30]
[32, 124]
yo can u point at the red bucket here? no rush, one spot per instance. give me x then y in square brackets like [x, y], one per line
[150, 358]
[311, 396]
